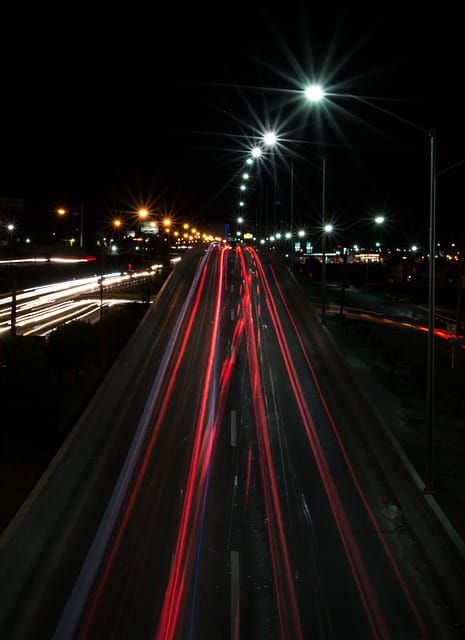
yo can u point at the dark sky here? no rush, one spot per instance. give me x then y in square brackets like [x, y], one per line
[158, 106]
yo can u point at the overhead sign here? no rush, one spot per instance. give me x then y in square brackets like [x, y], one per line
[149, 226]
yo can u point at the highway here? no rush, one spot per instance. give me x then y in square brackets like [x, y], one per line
[242, 505]
[39, 310]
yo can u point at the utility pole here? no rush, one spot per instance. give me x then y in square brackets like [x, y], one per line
[101, 276]
[431, 360]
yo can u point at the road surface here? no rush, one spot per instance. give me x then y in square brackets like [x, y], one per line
[241, 510]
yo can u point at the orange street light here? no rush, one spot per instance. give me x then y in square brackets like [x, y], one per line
[63, 212]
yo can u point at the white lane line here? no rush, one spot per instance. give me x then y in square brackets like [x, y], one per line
[233, 429]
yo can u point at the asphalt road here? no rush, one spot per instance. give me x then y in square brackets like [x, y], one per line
[235, 497]
[244, 515]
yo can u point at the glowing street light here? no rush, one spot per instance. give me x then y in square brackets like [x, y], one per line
[314, 93]
[270, 138]
[64, 212]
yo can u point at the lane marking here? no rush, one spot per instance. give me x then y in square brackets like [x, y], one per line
[233, 429]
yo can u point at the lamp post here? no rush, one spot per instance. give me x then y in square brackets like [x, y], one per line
[63, 212]
[270, 139]
[431, 356]
[316, 93]
[102, 258]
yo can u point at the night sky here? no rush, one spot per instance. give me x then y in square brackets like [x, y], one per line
[160, 107]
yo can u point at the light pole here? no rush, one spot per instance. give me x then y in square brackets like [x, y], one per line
[63, 212]
[431, 356]
[102, 258]
[292, 215]
[316, 93]
[270, 139]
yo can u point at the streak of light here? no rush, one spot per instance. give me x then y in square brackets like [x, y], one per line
[352, 473]
[73, 287]
[146, 459]
[42, 260]
[197, 483]
[286, 599]
[378, 318]
[314, 438]
[74, 609]
[83, 311]
[359, 572]
[39, 304]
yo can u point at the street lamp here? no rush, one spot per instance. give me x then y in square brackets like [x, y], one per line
[63, 212]
[315, 93]
[270, 139]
